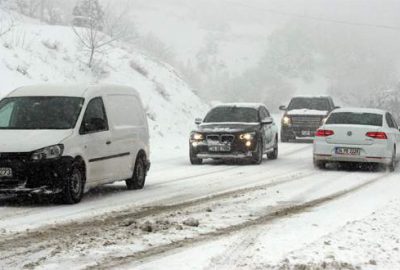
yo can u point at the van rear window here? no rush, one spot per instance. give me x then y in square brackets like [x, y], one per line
[351, 118]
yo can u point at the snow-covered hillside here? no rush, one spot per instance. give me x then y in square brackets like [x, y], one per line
[237, 34]
[36, 53]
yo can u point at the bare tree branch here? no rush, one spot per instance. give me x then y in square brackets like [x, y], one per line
[94, 40]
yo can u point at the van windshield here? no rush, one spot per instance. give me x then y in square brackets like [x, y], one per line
[40, 112]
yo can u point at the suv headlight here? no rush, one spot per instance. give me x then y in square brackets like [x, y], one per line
[247, 136]
[50, 152]
[197, 136]
[286, 121]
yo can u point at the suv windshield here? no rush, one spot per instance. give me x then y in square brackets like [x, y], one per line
[40, 112]
[319, 104]
[350, 118]
[232, 114]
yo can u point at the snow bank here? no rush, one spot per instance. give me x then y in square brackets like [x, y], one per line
[35, 53]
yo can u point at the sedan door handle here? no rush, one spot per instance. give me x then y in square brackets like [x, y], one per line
[108, 142]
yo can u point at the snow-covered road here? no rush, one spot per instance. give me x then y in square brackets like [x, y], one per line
[283, 213]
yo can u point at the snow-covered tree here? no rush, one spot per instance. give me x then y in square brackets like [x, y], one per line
[28, 7]
[89, 14]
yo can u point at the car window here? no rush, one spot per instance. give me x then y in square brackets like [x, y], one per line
[393, 121]
[264, 113]
[389, 121]
[95, 115]
[352, 118]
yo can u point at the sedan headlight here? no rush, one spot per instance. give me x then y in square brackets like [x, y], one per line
[197, 136]
[50, 152]
[286, 121]
[248, 136]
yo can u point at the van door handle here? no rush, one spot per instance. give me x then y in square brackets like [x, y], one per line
[108, 142]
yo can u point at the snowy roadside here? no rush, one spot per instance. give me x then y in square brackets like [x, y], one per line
[369, 243]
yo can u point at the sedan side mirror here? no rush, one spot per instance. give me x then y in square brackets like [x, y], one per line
[198, 121]
[267, 121]
[282, 108]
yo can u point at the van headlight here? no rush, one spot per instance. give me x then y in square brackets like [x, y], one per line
[51, 152]
[247, 136]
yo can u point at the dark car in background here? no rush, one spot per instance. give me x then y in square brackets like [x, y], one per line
[303, 116]
[235, 131]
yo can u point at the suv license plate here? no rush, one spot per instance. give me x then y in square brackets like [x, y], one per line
[6, 172]
[348, 151]
[219, 148]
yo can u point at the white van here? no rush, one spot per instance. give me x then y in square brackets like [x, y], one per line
[64, 140]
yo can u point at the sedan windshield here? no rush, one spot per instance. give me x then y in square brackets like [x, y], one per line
[40, 112]
[351, 118]
[319, 104]
[232, 115]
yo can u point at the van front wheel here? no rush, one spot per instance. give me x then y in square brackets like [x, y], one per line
[139, 175]
[73, 186]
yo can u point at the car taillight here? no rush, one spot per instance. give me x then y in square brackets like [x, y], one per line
[324, 133]
[377, 135]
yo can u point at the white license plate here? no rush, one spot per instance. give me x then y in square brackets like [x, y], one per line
[6, 172]
[305, 133]
[348, 151]
[219, 148]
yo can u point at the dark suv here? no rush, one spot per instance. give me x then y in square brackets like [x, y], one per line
[304, 116]
[235, 131]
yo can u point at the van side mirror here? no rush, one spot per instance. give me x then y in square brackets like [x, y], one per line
[267, 121]
[283, 108]
[94, 125]
[198, 121]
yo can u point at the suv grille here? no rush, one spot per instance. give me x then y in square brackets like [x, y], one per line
[308, 121]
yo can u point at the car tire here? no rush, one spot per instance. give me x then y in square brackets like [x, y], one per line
[74, 184]
[194, 160]
[138, 178]
[319, 164]
[274, 154]
[259, 154]
[392, 165]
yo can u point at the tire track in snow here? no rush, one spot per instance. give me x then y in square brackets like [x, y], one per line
[11, 240]
[271, 216]
[32, 210]
[233, 167]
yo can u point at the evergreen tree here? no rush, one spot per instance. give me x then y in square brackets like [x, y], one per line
[89, 14]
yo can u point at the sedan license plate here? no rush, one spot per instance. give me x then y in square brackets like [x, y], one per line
[219, 148]
[6, 172]
[348, 151]
[305, 133]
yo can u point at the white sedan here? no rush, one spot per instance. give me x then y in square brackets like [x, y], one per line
[358, 135]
